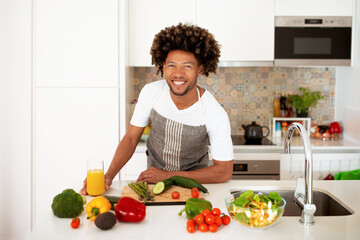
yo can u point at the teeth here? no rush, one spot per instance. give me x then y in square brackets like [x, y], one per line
[178, 82]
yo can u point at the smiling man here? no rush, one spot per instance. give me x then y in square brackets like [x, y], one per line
[184, 117]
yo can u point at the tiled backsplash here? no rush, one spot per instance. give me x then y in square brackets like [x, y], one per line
[247, 93]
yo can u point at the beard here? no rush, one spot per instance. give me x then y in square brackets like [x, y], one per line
[190, 87]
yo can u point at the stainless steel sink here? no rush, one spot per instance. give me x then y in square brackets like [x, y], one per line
[326, 204]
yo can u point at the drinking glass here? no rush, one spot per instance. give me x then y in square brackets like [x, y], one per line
[95, 177]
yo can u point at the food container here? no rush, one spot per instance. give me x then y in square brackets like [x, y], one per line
[255, 217]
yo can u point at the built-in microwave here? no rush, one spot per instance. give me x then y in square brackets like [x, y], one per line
[320, 41]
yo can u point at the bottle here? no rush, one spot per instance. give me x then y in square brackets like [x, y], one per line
[278, 129]
[283, 108]
[276, 105]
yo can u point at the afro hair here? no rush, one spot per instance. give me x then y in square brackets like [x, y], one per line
[188, 38]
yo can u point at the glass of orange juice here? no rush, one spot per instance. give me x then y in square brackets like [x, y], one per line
[95, 177]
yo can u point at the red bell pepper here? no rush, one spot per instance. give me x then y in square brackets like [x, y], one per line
[334, 127]
[130, 210]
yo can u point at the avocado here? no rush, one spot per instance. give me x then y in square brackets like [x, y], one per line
[105, 220]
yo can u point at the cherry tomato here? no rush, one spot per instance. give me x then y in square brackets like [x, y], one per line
[175, 195]
[216, 212]
[210, 219]
[225, 219]
[191, 228]
[191, 222]
[75, 222]
[205, 212]
[199, 219]
[203, 227]
[218, 221]
[195, 192]
[213, 228]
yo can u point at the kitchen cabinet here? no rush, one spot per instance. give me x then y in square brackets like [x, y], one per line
[147, 18]
[72, 125]
[136, 164]
[76, 43]
[245, 29]
[314, 8]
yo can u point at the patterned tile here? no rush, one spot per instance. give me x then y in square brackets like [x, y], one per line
[246, 93]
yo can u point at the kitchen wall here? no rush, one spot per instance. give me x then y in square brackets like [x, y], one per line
[15, 119]
[246, 93]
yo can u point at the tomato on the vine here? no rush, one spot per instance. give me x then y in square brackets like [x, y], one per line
[191, 228]
[203, 227]
[75, 222]
[175, 195]
[216, 212]
[205, 212]
[199, 219]
[210, 219]
[218, 221]
[213, 228]
[191, 222]
[225, 219]
[195, 192]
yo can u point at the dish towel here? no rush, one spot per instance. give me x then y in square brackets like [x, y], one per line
[350, 175]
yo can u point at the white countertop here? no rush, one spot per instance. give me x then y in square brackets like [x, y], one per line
[162, 222]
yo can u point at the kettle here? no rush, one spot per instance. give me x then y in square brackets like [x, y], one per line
[254, 132]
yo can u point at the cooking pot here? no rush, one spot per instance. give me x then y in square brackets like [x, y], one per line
[254, 132]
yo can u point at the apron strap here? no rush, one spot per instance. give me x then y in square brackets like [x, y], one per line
[201, 111]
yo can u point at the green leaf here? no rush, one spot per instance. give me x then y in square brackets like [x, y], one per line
[241, 217]
[241, 202]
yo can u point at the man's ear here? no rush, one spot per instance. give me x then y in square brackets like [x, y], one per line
[201, 70]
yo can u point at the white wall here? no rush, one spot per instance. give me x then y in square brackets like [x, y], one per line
[347, 105]
[15, 118]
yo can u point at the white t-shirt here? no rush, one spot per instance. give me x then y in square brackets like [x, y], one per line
[216, 120]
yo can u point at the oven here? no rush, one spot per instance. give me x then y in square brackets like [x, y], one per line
[321, 41]
[255, 166]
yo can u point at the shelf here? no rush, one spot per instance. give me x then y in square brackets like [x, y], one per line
[306, 122]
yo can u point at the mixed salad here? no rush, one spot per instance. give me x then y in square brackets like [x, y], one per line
[256, 210]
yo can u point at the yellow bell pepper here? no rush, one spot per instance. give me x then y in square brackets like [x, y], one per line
[97, 206]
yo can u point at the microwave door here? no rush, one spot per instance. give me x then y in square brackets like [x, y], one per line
[316, 45]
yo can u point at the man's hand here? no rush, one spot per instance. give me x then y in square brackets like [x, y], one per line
[153, 175]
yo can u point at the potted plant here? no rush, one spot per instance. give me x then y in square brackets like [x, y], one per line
[304, 100]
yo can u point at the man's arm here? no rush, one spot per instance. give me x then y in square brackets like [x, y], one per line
[220, 172]
[123, 153]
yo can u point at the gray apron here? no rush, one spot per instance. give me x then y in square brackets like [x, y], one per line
[173, 146]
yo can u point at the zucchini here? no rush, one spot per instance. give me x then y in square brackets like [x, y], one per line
[113, 201]
[178, 181]
[162, 186]
[188, 183]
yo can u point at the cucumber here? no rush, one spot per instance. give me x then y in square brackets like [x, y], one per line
[178, 181]
[113, 201]
[188, 183]
[162, 186]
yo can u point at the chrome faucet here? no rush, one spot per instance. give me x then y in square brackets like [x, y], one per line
[304, 189]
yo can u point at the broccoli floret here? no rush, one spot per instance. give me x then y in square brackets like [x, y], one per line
[67, 204]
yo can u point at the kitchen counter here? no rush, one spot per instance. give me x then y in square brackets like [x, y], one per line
[162, 222]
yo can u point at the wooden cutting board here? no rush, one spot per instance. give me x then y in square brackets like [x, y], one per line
[163, 198]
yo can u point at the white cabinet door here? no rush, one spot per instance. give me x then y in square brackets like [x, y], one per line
[245, 29]
[147, 18]
[314, 8]
[72, 125]
[76, 43]
[133, 168]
